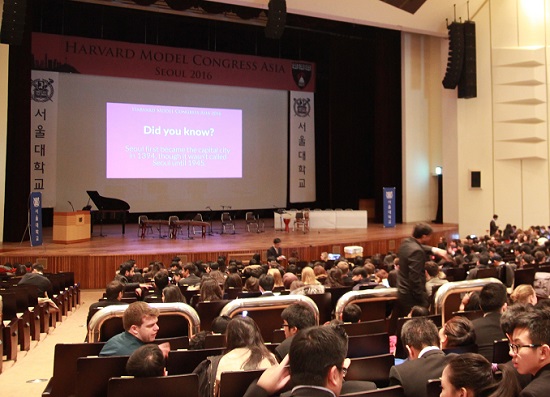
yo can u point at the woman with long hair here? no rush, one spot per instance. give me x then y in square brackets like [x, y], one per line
[277, 277]
[233, 280]
[245, 348]
[172, 293]
[334, 278]
[471, 375]
[457, 331]
[308, 276]
[210, 290]
[524, 293]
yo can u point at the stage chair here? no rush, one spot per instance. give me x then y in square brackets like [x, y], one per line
[391, 391]
[368, 345]
[165, 386]
[501, 351]
[173, 226]
[197, 218]
[93, 374]
[374, 369]
[227, 222]
[302, 220]
[63, 381]
[250, 219]
[181, 362]
[143, 227]
[235, 383]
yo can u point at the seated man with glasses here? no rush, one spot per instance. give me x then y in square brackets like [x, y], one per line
[295, 317]
[318, 365]
[530, 350]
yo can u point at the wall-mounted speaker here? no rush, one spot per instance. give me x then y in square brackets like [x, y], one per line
[455, 60]
[13, 22]
[475, 179]
[467, 86]
[276, 19]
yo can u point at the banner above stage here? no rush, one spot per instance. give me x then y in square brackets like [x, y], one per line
[69, 54]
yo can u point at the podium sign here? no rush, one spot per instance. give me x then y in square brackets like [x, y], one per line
[35, 219]
[389, 206]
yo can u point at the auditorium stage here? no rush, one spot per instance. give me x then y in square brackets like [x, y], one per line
[95, 262]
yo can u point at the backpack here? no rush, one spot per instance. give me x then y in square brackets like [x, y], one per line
[206, 371]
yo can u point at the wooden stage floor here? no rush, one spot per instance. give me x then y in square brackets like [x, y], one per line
[96, 261]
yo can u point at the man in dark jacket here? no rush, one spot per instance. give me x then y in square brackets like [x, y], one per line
[37, 278]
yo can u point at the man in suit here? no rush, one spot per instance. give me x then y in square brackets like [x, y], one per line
[530, 350]
[493, 227]
[113, 296]
[492, 300]
[275, 251]
[189, 276]
[318, 365]
[266, 282]
[411, 279]
[295, 317]
[426, 360]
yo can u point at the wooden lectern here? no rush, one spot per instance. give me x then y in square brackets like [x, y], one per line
[71, 227]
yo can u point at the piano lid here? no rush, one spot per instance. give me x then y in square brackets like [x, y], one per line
[107, 203]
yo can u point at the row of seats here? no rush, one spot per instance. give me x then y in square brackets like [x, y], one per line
[24, 318]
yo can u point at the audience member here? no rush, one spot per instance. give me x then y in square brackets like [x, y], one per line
[433, 276]
[172, 293]
[140, 327]
[296, 317]
[251, 284]
[277, 277]
[266, 282]
[471, 375]
[457, 331]
[361, 278]
[492, 299]
[418, 311]
[219, 324]
[145, 361]
[210, 290]
[524, 293]
[113, 296]
[36, 277]
[352, 313]
[189, 275]
[196, 342]
[426, 360]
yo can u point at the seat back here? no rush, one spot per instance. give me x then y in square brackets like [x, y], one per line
[501, 351]
[235, 383]
[63, 381]
[324, 304]
[391, 391]
[165, 386]
[208, 311]
[93, 373]
[266, 311]
[175, 319]
[433, 388]
[141, 219]
[524, 276]
[226, 218]
[172, 219]
[368, 345]
[198, 217]
[366, 327]
[215, 341]
[469, 314]
[461, 349]
[185, 361]
[374, 369]
[485, 273]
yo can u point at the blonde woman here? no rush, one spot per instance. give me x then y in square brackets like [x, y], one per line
[276, 277]
[524, 293]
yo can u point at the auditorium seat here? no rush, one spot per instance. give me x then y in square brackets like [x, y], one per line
[433, 388]
[165, 386]
[185, 361]
[235, 383]
[366, 327]
[374, 369]
[390, 391]
[368, 345]
[214, 341]
[208, 311]
[63, 381]
[501, 351]
[93, 374]
[11, 324]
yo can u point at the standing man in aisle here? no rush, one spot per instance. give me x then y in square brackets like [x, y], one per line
[411, 278]
[276, 251]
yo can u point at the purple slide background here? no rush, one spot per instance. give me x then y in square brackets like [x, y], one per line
[152, 141]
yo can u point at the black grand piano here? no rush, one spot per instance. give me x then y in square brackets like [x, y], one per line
[108, 206]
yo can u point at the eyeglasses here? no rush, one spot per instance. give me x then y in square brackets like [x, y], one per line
[515, 348]
[286, 325]
[344, 371]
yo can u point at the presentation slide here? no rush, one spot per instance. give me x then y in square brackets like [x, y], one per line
[154, 141]
[165, 146]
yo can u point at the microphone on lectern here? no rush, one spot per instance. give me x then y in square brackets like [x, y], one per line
[71, 205]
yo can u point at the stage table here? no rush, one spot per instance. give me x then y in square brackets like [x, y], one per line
[355, 219]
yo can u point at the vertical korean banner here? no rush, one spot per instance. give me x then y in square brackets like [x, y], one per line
[302, 147]
[389, 206]
[44, 104]
[35, 219]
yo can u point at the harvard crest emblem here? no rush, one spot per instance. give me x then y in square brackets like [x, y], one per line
[301, 73]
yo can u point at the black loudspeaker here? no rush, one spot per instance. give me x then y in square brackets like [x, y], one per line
[456, 55]
[475, 179]
[13, 21]
[467, 86]
[276, 19]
